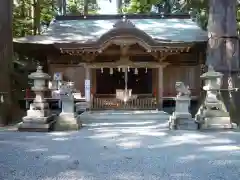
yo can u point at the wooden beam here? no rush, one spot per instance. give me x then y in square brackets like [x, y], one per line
[120, 64]
[155, 54]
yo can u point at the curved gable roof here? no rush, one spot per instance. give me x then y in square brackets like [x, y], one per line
[91, 30]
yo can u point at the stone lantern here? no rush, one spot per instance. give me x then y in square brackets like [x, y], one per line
[39, 117]
[213, 114]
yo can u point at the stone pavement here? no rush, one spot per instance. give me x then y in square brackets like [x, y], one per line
[132, 149]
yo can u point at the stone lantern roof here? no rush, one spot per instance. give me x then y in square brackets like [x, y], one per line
[39, 74]
[211, 73]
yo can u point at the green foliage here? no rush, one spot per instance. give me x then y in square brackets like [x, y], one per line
[138, 6]
[197, 8]
[77, 6]
[21, 21]
[24, 15]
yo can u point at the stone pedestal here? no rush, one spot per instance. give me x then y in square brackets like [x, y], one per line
[39, 117]
[37, 121]
[181, 117]
[213, 114]
[67, 119]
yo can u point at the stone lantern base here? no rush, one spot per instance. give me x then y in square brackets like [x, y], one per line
[214, 119]
[34, 123]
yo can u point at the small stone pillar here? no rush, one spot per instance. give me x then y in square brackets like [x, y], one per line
[213, 114]
[39, 117]
[181, 117]
[67, 119]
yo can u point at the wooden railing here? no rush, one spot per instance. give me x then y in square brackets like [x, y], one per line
[105, 103]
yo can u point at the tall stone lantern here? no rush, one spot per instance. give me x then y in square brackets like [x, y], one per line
[39, 117]
[212, 113]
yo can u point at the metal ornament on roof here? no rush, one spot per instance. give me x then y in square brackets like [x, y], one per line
[124, 23]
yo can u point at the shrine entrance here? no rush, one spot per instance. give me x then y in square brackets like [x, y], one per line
[138, 80]
[124, 88]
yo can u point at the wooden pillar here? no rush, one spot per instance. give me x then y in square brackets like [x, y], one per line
[160, 85]
[87, 73]
[154, 81]
[87, 84]
[93, 80]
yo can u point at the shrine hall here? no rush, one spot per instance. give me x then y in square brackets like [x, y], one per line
[122, 61]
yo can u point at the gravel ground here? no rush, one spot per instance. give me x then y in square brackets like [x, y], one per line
[131, 149]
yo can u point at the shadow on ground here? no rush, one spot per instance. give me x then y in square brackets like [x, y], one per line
[133, 149]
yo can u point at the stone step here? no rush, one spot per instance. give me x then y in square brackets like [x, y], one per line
[123, 116]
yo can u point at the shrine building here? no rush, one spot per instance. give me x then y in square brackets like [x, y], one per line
[143, 55]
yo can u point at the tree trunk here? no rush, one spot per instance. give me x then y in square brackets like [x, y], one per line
[85, 10]
[23, 16]
[223, 48]
[64, 7]
[119, 6]
[36, 17]
[5, 60]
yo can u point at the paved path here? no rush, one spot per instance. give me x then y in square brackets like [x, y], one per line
[132, 150]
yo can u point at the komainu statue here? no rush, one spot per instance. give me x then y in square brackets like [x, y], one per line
[181, 117]
[181, 89]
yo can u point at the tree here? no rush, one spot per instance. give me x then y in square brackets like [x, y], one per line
[6, 52]
[223, 49]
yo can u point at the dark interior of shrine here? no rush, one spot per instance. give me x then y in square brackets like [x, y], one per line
[140, 82]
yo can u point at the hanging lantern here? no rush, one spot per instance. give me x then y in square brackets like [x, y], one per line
[111, 71]
[128, 69]
[146, 70]
[119, 69]
[101, 70]
[136, 71]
